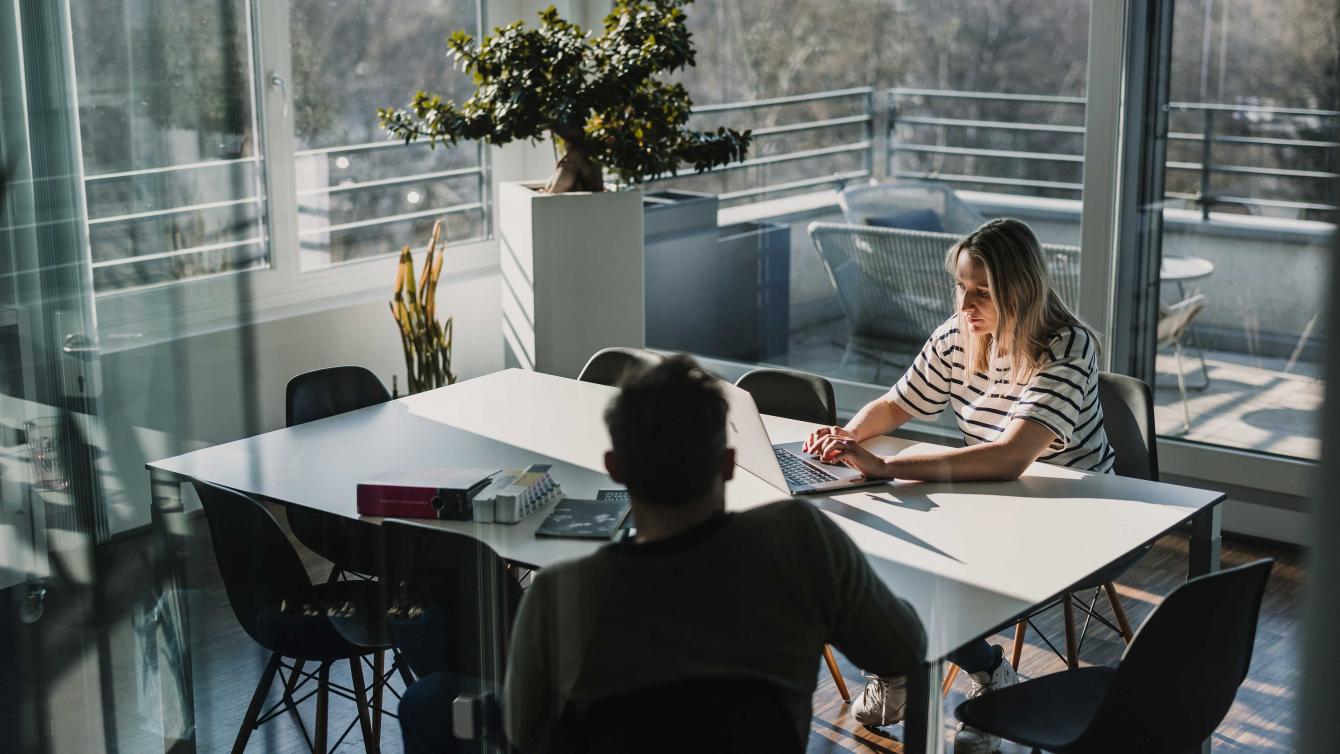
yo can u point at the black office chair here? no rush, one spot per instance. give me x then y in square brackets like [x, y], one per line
[609, 365]
[1128, 420]
[280, 609]
[803, 397]
[452, 601]
[1205, 629]
[795, 395]
[728, 715]
[351, 546]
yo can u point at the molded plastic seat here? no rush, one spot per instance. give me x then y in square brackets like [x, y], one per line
[795, 395]
[350, 545]
[280, 609]
[608, 365]
[1204, 630]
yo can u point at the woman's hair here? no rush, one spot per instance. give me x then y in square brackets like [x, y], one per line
[1028, 310]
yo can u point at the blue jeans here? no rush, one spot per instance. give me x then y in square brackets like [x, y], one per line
[976, 657]
[425, 716]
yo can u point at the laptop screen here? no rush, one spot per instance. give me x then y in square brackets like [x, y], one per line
[745, 433]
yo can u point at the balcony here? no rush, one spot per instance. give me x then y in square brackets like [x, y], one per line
[1246, 192]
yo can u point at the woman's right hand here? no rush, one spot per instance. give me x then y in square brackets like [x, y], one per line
[815, 442]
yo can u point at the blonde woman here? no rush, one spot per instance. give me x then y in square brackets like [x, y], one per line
[1020, 373]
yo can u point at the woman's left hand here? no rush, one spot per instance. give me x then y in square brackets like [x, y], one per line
[852, 454]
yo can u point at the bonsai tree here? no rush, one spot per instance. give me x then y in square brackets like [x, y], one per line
[597, 96]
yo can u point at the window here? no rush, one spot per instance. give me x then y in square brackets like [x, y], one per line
[978, 106]
[181, 161]
[1253, 152]
[173, 174]
[359, 195]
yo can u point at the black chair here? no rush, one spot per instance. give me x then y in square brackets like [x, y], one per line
[727, 715]
[452, 602]
[795, 395]
[1128, 420]
[803, 397]
[280, 609]
[351, 546]
[1205, 629]
[609, 365]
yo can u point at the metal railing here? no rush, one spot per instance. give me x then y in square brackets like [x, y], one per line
[252, 230]
[1208, 196]
[767, 181]
[891, 130]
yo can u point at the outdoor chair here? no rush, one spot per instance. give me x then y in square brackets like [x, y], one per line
[1174, 321]
[894, 290]
[911, 205]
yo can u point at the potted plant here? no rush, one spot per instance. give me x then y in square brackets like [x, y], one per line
[572, 251]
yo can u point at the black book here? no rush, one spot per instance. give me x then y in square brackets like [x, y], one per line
[584, 519]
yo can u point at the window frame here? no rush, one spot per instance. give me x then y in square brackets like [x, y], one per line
[138, 317]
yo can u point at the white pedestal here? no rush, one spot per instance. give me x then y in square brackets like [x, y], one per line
[572, 275]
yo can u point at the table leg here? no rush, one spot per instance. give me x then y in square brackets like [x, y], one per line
[1204, 557]
[171, 533]
[1205, 542]
[923, 726]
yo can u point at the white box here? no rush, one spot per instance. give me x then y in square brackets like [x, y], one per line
[572, 275]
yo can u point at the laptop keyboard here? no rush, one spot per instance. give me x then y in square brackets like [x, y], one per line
[798, 473]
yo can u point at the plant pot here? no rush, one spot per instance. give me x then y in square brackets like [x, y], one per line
[572, 275]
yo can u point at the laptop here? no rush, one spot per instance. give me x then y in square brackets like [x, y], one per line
[784, 466]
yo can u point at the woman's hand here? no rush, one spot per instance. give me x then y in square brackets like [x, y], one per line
[814, 444]
[850, 452]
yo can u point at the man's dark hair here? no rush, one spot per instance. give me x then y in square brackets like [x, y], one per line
[668, 428]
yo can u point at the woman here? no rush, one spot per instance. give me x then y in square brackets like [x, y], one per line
[1019, 371]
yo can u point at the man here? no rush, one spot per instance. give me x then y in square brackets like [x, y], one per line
[698, 592]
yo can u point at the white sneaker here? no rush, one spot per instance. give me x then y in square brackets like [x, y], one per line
[882, 702]
[969, 740]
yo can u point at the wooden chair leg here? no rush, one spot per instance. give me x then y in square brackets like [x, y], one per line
[378, 673]
[257, 701]
[1071, 650]
[837, 675]
[370, 744]
[322, 707]
[1119, 612]
[950, 675]
[1017, 649]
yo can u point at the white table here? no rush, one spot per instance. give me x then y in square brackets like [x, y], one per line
[969, 557]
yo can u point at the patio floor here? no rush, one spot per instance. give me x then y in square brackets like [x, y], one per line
[1251, 402]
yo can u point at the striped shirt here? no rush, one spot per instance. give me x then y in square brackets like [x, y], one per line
[1062, 396]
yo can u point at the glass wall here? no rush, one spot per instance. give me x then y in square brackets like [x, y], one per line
[973, 109]
[173, 174]
[1253, 154]
[147, 160]
[358, 194]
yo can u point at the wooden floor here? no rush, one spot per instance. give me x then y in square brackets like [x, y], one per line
[228, 663]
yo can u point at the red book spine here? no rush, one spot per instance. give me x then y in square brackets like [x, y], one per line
[396, 501]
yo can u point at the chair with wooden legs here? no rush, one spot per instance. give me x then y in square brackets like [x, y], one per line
[1128, 420]
[283, 611]
[803, 397]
